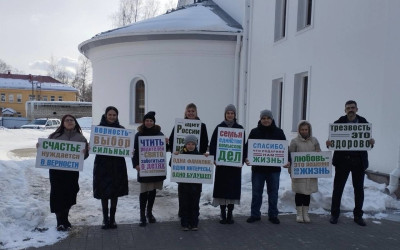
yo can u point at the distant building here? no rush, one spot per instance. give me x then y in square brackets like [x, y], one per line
[43, 109]
[16, 90]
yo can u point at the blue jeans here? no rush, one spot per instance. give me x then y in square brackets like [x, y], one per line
[257, 181]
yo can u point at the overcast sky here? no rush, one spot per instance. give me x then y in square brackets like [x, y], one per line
[33, 31]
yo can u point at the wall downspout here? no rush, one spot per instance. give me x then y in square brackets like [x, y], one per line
[236, 77]
[245, 65]
[394, 179]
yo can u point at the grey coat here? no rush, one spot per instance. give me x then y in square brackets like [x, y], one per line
[299, 144]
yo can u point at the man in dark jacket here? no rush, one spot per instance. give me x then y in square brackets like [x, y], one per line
[266, 129]
[345, 162]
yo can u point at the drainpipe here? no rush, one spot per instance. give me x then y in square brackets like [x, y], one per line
[236, 77]
[394, 179]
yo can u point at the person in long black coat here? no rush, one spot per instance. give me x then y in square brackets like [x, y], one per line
[148, 184]
[110, 177]
[64, 184]
[228, 179]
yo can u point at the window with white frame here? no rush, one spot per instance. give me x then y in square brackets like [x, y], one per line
[304, 14]
[19, 114]
[139, 101]
[11, 98]
[280, 19]
[52, 98]
[300, 98]
[277, 100]
[3, 97]
[19, 98]
[60, 98]
[44, 98]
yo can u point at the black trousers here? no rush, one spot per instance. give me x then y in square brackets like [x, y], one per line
[189, 203]
[302, 200]
[354, 165]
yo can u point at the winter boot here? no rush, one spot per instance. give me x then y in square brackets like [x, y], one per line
[299, 216]
[229, 218]
[59, 220]
[143, 202]
[305, 214]
[113, 224]
[106, 220]
[150, 203]
[66, 222]
[223, 214]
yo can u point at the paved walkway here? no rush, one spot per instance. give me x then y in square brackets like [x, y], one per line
[319, 234]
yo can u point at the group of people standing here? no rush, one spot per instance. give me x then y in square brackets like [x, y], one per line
[110, 179]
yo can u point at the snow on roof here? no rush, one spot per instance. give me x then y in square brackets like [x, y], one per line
[10, 83]
[205, 17]
[8, 111]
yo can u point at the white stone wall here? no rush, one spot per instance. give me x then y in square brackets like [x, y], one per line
[176, 72]
[351, 52]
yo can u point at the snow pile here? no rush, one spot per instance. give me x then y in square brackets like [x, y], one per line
[26, 221]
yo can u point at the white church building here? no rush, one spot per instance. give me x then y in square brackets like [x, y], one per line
[302, 59]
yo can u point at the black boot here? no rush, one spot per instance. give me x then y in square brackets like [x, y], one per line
[113, 224]
[229, 218]
[60, 226]
[223, 214]
[106, 221]
[113, 209]
[143, 201]
[150, 203]
[66, 223]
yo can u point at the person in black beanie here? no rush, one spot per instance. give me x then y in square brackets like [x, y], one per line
[148, 185]
[110, 177]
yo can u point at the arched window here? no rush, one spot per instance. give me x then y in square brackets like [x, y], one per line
[139, 101]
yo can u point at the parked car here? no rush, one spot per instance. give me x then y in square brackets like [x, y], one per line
[43, 123]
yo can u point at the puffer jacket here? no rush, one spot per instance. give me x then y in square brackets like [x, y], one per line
[299, 144]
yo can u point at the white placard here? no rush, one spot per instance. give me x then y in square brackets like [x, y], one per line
[184, 127]
[152, 156]
[311, 164]
[189, 168]
[60, 154]
[267, 152]
[230, 147]
[350, 136]
[111, 141]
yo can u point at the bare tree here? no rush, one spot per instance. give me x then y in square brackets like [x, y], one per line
[83, 79]
[132, 11]
[5, 68]
[58, 71]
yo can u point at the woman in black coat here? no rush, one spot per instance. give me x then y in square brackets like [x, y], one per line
[64, 184]
[148, 185]
[110, 177]
[228, 179]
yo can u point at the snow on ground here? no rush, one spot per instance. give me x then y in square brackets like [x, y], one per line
[26, 221]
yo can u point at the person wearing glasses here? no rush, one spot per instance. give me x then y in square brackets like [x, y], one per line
[64, 185]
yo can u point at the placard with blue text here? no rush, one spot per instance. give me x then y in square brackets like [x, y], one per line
[267, 152]
[152, 156]
[311, 164]
[60, 154]
[111, 141]
[187, 168]
[230, 147]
